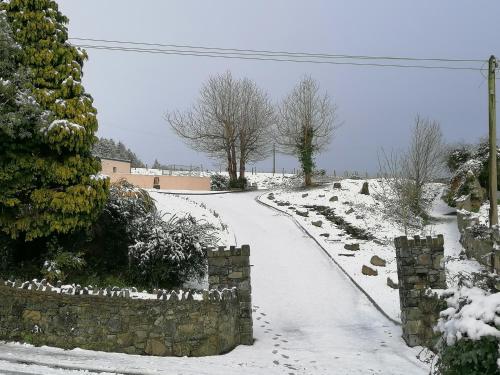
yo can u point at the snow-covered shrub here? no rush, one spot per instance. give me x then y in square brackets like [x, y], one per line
[61, 265]
[114, 231]
[469, 357]
[467, 163]
[457, 156]
[470, 329]
[219, 182]
[240, 183]
[170, 252]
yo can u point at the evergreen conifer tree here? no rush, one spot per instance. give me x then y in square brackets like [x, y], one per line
[55, 188]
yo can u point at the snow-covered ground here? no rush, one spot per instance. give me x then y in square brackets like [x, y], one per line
[308, 316]
[178, 205]
[365, 212]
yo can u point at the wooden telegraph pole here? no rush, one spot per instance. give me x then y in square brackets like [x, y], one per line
[493, 140]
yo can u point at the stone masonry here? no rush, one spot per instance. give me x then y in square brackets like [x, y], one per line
[479, 241]
[176, 323]
[231, 269]
[420, 268]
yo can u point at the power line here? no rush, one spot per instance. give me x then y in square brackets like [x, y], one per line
[260, 57]
[281, 53]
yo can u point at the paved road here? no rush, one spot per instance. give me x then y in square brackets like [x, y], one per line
[309, 318]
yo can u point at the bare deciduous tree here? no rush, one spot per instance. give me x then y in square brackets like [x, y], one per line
[254, 125]
[425, 155]
[306, 123]
[405, 175]
[230, 121]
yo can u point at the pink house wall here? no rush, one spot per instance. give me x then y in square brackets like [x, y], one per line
[165, 182]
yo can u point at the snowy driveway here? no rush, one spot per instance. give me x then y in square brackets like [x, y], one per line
[309, 318]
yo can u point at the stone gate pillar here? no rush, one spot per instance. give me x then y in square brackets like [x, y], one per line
[228, 269]
[420, 267]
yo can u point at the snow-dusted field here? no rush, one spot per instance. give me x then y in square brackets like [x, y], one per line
[365, 212]
[308, 316]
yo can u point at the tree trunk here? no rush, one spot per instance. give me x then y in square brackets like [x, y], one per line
[230, 168]
[233, 175]
[242, 168]
[308, 178]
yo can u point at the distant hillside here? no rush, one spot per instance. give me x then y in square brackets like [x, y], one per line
[108, 148]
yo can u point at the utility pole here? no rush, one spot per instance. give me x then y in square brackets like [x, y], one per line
[493, 140]
[274, 158]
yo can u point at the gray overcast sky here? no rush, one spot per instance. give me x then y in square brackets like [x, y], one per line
[376, 105]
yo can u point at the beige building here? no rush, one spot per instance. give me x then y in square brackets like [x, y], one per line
[118, 169]
[110, 166]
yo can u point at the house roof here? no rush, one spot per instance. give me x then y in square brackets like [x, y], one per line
[114, 159]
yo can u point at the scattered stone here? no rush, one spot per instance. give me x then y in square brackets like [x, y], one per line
[346, 255]
[325, 235]
[392, 284]
[349, 211]
[368, 271]
[270, 196]
[364, 189]
[334, 199]
[305, 195]
[337, 185]
[302, 213]
[321, 195]
[352, 246]
[359, 217]
[318, 223]
[378, 242]
[377, 261]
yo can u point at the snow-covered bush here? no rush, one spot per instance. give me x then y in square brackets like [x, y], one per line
[61, 265]
[219, 182]
[170, 252]
[467, 163]
[240, 183]
[133, 240]
[114, 232]
[470, 330]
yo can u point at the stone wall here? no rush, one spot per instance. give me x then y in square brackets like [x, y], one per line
[479, 241]
[175, 323]
[232, 269]
[420, 268]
